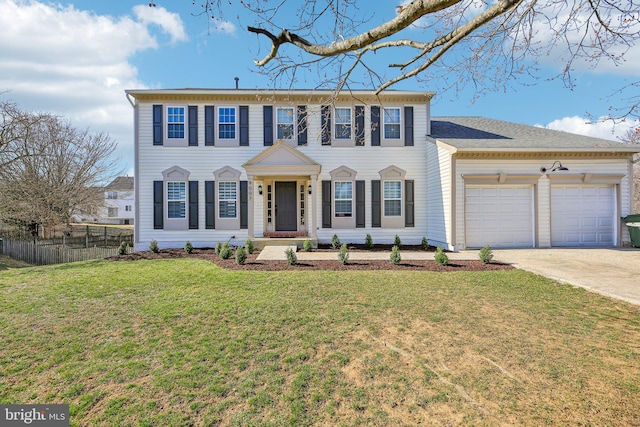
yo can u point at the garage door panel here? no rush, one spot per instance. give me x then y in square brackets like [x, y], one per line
[583, 215]
[500, 216]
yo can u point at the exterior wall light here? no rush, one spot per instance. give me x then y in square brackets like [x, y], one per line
[309, 189]
[260, 190]
[556, 166]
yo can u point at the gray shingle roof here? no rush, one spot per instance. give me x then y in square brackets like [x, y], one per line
[121, 183]
[482, 134]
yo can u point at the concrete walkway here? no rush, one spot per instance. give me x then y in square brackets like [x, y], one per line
[614, 272]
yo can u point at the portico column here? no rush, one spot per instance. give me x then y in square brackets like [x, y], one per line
[312, 225]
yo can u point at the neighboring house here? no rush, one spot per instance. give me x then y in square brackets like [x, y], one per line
[118, 205]
[222, 165]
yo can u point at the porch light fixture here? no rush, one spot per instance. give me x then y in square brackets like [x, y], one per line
[556, 166]
[260, 190]
[309, 189]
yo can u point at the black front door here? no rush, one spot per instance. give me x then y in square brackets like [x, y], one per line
[286, 206]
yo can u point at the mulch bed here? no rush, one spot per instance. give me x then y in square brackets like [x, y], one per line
[271, 265]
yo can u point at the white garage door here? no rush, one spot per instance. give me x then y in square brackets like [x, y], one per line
[499, 215]
[582, 215]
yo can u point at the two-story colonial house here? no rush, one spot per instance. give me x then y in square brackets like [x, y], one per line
[217, 165]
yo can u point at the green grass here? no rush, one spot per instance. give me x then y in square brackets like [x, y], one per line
[183, 342]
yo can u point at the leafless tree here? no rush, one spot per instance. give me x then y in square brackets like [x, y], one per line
[49, 169]
[633, 137]
[488, 44]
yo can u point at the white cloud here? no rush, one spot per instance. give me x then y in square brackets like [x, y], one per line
[168, 21]
[76, 63]
[605, 129]
[225, 27]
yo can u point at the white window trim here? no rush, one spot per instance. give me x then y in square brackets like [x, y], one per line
[335, 123]
[220, 199]
[335, 199]
[384, 123]
[229, 142]
[384, 199]
[176, 142]
[184, 200]
[293, 123]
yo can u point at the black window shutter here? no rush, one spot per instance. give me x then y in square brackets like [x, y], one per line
[376, 217]
[375, 126]
[360, 204]
[408, 126]
[326, 125]
[244, 126]
[158, 205]
[244, 205]
[193, 125]
[360, 125]
[409, 212]
[209, 125]
[267, 112]
[326, 204]
[157, 125]
[209, 205]
[302, 125]
[193, 205]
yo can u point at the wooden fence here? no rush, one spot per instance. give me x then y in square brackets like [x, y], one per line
[38, 254]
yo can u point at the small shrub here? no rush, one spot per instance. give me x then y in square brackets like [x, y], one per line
[218, 247]
[335, 242]
[368, 242]
[486, 254]
[188, 247]
[441, 257]
[307, 245]
[225, 251]
[395, 257]
[343, 255]
[425, 244]
[241, 256]
[122, 249]
[153, 246]
[292, 259]
[397, 242]
[248, 246]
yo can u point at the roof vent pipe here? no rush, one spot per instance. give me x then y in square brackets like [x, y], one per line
[236, 79]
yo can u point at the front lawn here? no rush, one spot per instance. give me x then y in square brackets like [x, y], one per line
[184, 342]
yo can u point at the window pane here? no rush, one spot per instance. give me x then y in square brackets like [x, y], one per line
[392, 208]
[343, 123]
[392, 123]
[343, 198]
[227, 123]
[284, 118]
[176, 209]
[176, 190]
[393, 198]
[175, 122]
[227, 199]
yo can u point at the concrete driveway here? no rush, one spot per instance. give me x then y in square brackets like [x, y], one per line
[614, 272]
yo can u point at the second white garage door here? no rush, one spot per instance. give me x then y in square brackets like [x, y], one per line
[499, 215]
[582, 215]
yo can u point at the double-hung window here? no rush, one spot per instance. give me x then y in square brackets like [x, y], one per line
[228, 199]
[343, 123]
[175, 122]
[392, 123]
[284, 123]
[176, 199]
[227, 122]
[112, 212]
[343, 199]
[392, 198]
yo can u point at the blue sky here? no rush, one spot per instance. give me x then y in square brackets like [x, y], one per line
[76, 58]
